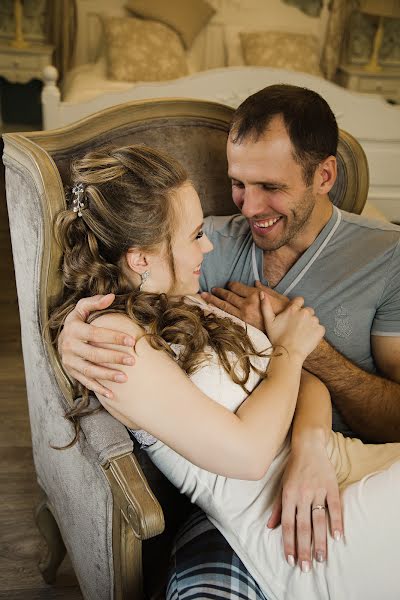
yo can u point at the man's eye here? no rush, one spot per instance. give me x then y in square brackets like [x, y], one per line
[200, 234]
[237, 184]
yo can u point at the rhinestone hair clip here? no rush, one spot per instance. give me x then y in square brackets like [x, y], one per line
[78, 200]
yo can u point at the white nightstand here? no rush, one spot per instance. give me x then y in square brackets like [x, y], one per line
[21, 65]
[385, 82]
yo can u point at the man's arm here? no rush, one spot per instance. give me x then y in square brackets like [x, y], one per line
[369, 403]
[84, 349]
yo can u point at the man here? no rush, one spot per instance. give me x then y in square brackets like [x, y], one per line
[290, 241]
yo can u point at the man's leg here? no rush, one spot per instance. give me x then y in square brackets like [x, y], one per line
[203, 565]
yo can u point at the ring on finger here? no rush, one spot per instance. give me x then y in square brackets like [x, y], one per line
[318, 507]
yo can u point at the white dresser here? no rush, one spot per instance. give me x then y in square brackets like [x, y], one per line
[385, 82]
[20, 65]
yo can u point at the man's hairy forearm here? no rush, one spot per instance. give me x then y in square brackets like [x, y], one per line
[369, 404]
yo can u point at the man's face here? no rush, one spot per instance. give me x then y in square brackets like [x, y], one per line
[269, 189]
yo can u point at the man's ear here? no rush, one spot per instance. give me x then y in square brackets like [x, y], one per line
[326, 175]
[137, 260]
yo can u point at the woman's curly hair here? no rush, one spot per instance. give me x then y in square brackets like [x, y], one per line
[129, 202]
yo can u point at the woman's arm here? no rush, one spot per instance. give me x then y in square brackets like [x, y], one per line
[161, 399]
[312, 423]
[309, 479]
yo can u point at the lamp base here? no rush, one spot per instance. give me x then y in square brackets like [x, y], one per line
[373, 67]
[19, 44]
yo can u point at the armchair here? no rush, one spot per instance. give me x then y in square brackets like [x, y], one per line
[102, 502]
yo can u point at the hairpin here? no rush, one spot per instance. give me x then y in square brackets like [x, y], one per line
[78, 200]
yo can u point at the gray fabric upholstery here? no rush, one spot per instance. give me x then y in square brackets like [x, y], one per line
[207, 142]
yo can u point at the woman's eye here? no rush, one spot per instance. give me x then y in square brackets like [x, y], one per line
[200, 234]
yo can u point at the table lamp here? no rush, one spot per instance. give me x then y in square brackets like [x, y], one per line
[18, 41]
[381, 9]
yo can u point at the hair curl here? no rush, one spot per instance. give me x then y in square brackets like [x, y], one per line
[129, 200]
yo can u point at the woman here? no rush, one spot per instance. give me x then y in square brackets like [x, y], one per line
[219, 429]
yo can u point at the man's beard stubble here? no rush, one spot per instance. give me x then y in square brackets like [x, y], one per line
[301, 215]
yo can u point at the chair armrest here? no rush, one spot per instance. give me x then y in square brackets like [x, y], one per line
[107, 437]
[113, 447]
[133, 495]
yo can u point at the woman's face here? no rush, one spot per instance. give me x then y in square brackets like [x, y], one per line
[189, 245]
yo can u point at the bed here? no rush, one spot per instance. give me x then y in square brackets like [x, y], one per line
[216, 71]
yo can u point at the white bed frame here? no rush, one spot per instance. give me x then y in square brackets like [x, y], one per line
[374, 122]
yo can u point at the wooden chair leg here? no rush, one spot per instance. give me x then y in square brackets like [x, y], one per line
[56, 550]
[128, 576]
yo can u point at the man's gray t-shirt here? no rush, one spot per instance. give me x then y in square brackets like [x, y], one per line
[350, 275]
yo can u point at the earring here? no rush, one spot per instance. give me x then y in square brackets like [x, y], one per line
[144, 277]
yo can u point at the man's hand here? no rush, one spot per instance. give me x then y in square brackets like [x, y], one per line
[309, 481]
[83, 348]
[243, 301]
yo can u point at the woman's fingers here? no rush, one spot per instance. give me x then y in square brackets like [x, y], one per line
[335, 513]
[319, 525]
[266, 310]
[275, 516]
[298, 302]
[303, 531]
[288, 521]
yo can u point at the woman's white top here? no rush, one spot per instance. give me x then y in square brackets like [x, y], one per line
[240, 509]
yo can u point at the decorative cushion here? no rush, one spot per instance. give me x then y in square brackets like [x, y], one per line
[187, 18]
[139, 50]
[293, 51]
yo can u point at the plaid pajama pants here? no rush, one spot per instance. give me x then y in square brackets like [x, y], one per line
[204, 566]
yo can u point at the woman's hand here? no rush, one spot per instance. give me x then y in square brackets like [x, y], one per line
[296, 329]
[309, 481]
[83, 348]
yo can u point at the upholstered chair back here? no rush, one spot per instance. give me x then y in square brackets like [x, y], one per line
[95, 493]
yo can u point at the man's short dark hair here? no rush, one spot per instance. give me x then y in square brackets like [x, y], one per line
[309, 121]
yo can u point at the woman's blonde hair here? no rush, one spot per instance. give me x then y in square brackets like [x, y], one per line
[128, 202]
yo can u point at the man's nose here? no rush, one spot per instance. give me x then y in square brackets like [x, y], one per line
[254, 202]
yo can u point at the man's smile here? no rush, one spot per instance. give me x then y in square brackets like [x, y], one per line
[264, 226]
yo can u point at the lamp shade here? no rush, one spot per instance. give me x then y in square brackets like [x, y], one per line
[381, 8]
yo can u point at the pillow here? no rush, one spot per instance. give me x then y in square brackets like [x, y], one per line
[293, 51]
[187, 18]
[140, 50]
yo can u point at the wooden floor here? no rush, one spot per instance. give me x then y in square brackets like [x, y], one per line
[20, 542]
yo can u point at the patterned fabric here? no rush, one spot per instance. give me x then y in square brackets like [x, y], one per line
[142, 437]
[203, 565]
[139, 50]
[293, 51]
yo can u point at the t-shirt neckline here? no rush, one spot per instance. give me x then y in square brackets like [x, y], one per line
[306, 260]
